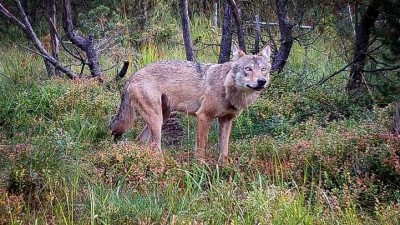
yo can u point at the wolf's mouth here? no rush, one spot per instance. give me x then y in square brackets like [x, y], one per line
[258, 88]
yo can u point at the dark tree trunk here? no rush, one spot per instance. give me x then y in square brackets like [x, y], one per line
[187, 38]
[363, 32]
[86, 44]
[25, 25]
[226, 40]
[239, 26]
[285, 29]
[144, 17]
[55, 46]
[49, 68]
[396, 118]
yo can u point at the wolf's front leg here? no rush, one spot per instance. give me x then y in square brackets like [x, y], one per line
[225, 126]
[203, 126]
[145, 135]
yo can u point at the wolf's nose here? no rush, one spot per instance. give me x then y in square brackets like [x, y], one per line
[261, 81]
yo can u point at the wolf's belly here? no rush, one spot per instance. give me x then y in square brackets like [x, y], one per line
[188, 107]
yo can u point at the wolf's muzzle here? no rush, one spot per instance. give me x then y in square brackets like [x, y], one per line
[256, 88]
[261, 82]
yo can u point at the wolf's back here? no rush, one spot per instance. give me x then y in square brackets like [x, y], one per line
[174, 72]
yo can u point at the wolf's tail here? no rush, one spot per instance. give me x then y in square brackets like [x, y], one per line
[123, 71]
[125, 117]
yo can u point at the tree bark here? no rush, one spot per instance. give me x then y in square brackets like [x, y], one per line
[25, 25]
[86, 44]
[55, 45]
[285, 30]
[363, 32]
[215, 14]
[257, 29]
[226, 40]
[239, 26]
[187, 38]
[396, 118]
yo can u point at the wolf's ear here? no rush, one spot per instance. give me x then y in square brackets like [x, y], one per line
[237, 52]
[265, 52]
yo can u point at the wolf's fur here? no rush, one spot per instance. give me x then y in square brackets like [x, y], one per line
[207, 91]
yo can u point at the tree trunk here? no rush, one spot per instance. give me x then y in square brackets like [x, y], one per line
[49, 68]
[187, 39]
[257, 29]
[226, 40]
[239, 26]
[86, 44]
[285, 29]
[363, 32]
[396, 118]
[215, 14]
[55, 45]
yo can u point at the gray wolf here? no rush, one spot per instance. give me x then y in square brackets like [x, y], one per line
[207, 91]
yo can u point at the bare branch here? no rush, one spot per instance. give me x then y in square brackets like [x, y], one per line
[12, 18]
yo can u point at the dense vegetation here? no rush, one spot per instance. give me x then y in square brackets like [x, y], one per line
[303, 154]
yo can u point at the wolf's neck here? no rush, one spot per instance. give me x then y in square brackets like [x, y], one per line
[240, 99]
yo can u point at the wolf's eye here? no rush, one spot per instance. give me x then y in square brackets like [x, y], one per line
[248, 69]
[263, 69]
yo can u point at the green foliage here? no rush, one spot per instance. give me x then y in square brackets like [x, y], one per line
[156, 31]
[99, 20]
[390, 32]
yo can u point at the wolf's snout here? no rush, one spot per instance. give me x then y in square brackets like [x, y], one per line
[261, 82]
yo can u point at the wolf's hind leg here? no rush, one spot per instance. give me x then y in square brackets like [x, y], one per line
[145, 135]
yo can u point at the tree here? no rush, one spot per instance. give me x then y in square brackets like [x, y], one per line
[362, 42]
[52, 63]
[24, 24]
[227, 30]
[389, 34]
[86, 44]
[286, 39]
[239, 24]
[55, 46]
[187, 39]
[226, 39]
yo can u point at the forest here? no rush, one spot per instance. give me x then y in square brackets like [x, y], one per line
[321, 145]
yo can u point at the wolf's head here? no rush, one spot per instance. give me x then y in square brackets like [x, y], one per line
[251, 72]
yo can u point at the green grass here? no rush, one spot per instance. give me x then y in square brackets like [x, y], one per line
[297, 156]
